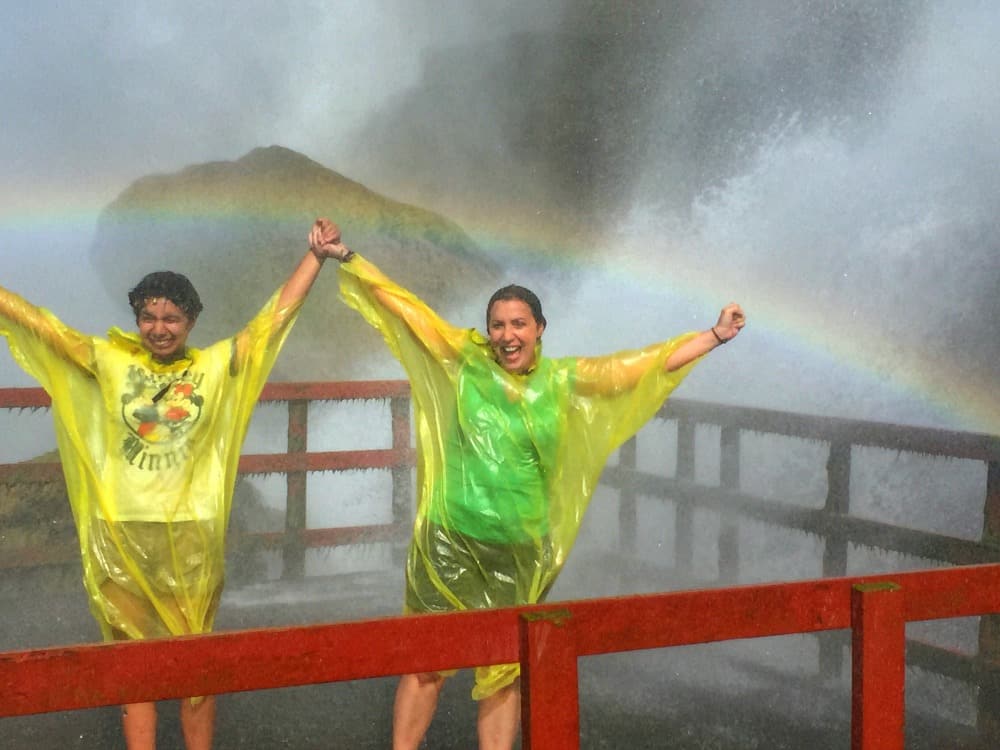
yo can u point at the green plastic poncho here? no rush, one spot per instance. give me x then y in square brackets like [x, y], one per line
[149, 452]
[506, 464]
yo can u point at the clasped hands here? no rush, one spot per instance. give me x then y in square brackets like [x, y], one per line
[324, 241]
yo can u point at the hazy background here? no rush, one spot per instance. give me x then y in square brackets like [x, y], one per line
[831, 166]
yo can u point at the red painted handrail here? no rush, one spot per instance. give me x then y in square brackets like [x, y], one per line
[546, 639]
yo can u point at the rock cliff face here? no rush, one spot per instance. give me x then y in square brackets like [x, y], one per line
[237, 229]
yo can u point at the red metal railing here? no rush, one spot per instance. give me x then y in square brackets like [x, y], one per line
[547, 640]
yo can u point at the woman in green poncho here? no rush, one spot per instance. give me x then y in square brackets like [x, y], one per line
[149, 433]
[510, 448]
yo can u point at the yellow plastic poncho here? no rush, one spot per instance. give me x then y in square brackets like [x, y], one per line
[150, 453]
[506, 463]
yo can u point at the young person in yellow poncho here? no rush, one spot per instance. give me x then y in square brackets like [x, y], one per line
[149, 433]
[510, 446]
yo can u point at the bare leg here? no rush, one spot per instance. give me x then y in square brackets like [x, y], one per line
[198, 722]
[500, 718]
[139, 726]
[136, 616]
[416, 701]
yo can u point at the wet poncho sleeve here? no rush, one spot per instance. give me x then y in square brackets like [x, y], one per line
[149, 452]
[507, 464]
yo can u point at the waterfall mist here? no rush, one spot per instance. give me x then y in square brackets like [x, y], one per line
[831, 166]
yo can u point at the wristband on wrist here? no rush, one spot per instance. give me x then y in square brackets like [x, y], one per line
[321, 258]
[718, 337]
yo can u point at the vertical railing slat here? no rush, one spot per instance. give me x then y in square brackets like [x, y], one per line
[550, 700]
[627, 501]
[293, 548]
[402, 490]
[838, 503]
[729, 479]
[878, 654]
[684, 523]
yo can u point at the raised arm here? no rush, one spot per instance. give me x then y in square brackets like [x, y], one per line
[621, 372]
[731, 321]
[19, 318]
[324, 242]
[436, 335]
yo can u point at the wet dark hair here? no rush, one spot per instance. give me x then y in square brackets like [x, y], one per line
[513, 291]
[172, 286]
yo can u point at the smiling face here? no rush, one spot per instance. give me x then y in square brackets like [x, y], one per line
[513, 333]
[163, 328]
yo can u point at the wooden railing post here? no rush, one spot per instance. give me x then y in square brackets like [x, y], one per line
[293, 549]
[838, 503]
[991, 506]
[627, 510]
[550, 701]
[988, 708]
[402, 489]
[684, 523]
[878, 656]
[729, 479]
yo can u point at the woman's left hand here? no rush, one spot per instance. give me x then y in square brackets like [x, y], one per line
[731, 320]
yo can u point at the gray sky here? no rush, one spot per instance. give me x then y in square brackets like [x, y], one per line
[97, 94]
